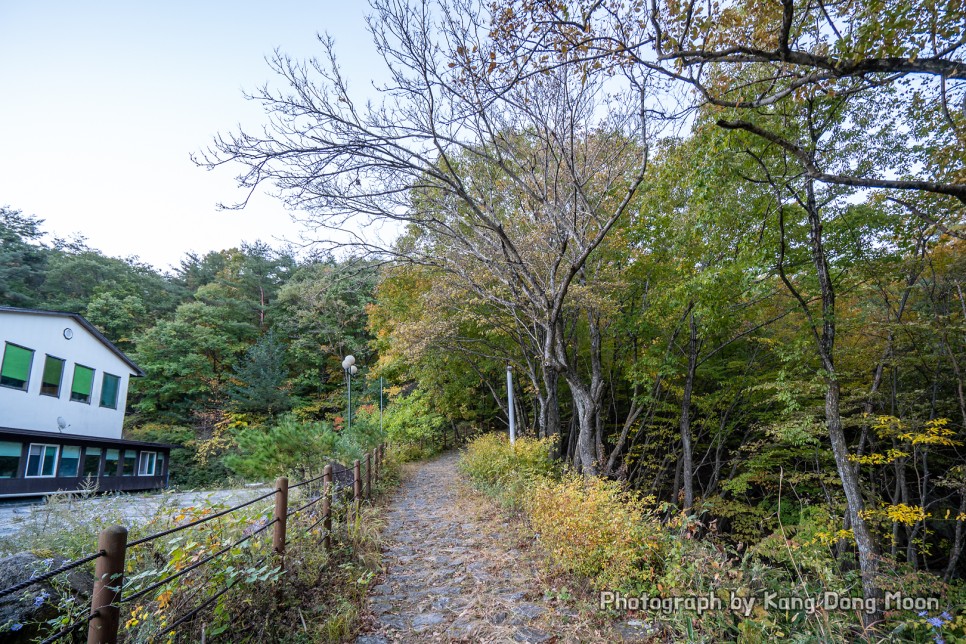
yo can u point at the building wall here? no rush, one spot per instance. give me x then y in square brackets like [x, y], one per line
[31, 410]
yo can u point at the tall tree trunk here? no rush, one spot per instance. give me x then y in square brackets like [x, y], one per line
[550, 410]
[864, 541]
[596, 383]
[586, 423]
[687, 451]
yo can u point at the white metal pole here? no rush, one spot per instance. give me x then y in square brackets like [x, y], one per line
[509, 401]
[348, 415]
[380, 404]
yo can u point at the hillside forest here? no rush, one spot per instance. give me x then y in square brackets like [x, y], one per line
[229, 341]
[721, 250]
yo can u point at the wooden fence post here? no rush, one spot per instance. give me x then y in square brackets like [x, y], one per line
[108, 577]
[357, 485]
[368, 475]
[281, 516]
[327, 506]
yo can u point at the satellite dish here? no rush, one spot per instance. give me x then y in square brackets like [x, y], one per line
[61, 423]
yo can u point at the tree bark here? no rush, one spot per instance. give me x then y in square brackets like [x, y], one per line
[586, 423]
[550, 404]
[864, 541]
[687, 451]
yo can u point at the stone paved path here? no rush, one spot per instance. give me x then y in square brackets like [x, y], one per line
[455, 571]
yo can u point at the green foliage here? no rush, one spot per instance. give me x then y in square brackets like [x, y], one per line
[299, 449]
[240, 565]
[614, 539]
[507, 472]
[188, 360]
[188, 469]
[260, 378]
[322, 316]
[286, 447]
[22, 260]
[410, 419]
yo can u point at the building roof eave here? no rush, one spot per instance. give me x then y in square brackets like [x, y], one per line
[61, 437]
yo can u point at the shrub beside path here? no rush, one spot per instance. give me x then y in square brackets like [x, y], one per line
[455, 570]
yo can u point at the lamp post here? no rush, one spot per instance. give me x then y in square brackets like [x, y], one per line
[509, 404]
[350, 368]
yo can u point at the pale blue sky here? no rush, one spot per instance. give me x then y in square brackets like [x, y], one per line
[102, 102]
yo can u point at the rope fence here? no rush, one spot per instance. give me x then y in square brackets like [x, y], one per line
[110, 592]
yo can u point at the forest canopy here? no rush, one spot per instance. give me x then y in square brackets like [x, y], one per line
[721, 245]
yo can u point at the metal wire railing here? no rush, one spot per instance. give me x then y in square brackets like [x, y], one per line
[203, 519]
[110, 557]
[37, 579]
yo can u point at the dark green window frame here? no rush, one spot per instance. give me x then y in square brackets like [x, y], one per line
[53, 376]
[82, 384]
[15, 367]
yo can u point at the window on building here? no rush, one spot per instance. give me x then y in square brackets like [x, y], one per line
[130, 462]
[82, 384]
[159, 470]
[15, 368]
[111, 459]
[42, 460]
[148, 463]
[69, 461]
[109, 388]
[53, 376]
[9, 459]
[92, 462]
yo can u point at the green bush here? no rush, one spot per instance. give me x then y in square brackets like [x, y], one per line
[613, 539]
[596, 529]
[506, 471]
[411, 422]
[299, 449]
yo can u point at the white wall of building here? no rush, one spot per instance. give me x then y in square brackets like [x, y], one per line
[31, 410]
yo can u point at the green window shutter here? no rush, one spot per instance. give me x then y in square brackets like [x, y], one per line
[80, 388]
[53, 374]
[53, 368]
[109, 389]
[15, 369]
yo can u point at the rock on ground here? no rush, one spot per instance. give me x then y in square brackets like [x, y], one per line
[22, 610]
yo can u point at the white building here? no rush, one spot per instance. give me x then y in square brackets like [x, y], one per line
[63, 391]
[59, 373]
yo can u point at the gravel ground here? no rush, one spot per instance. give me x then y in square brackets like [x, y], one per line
[135, 508]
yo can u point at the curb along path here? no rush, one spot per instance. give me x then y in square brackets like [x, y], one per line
[454, 572]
